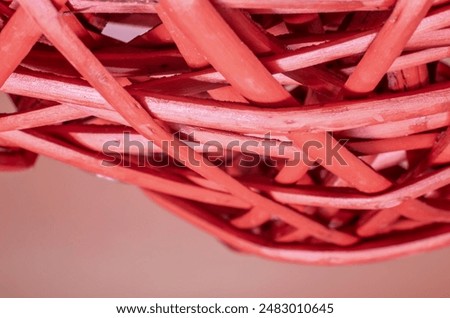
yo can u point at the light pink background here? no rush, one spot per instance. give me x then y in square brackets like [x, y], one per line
[64, 232]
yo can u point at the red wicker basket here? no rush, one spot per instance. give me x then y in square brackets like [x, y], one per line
[300, 130]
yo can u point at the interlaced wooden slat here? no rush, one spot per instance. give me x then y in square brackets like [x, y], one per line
[308, 131]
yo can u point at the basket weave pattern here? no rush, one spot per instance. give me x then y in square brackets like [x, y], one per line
[367, 77]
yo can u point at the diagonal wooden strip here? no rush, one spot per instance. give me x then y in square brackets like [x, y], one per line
[41, 117]
[378, 58]
[226, 52]
[415, 210]
[193, 58]
[352, 169]
[16, 40]
[253, 218]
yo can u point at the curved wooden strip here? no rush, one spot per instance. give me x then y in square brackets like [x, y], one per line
[242, 118]
[266, 6]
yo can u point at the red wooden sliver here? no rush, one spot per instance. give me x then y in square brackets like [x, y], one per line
[304, 131]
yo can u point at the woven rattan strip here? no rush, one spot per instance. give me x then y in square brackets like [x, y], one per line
[306, 131]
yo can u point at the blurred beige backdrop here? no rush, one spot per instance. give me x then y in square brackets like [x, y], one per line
[66, 233]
